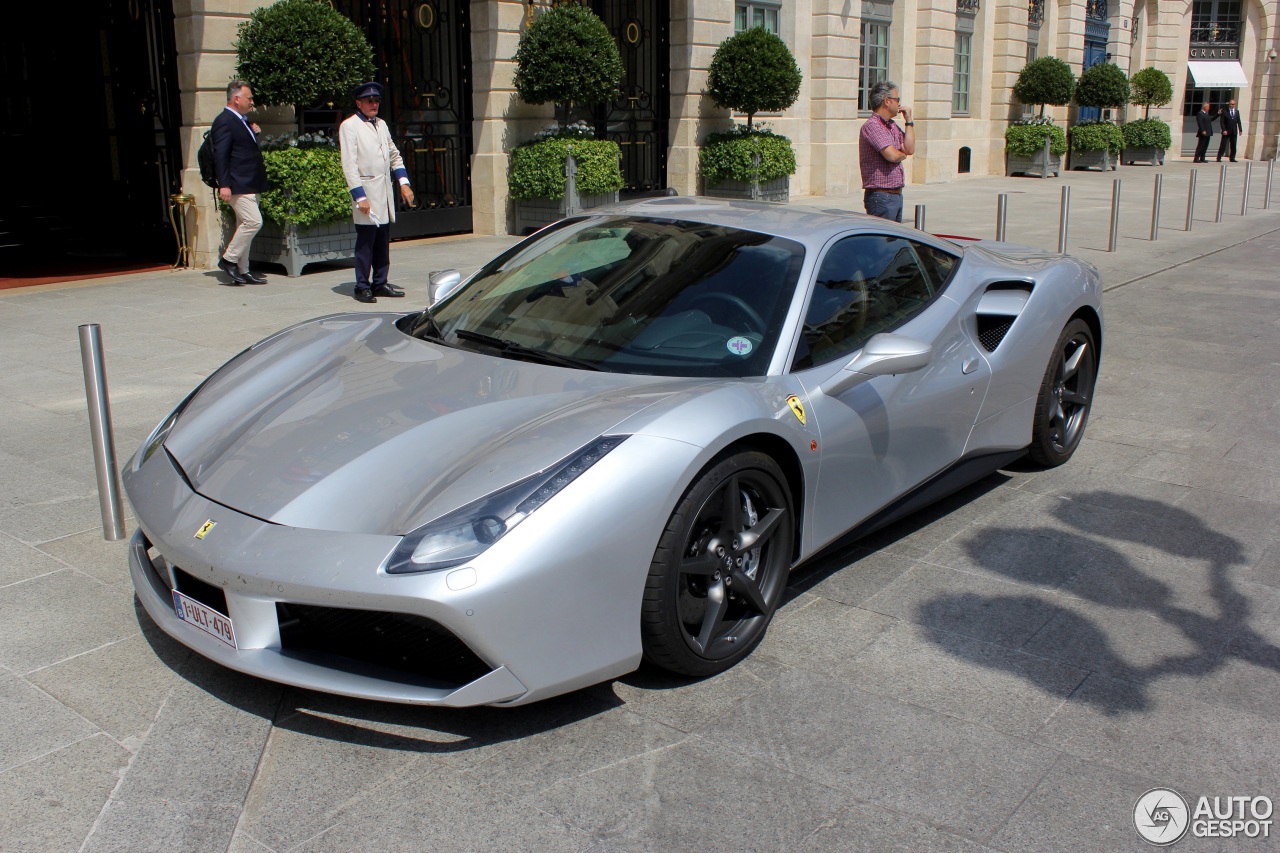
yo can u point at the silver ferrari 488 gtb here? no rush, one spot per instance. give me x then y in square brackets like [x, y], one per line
[610, 444]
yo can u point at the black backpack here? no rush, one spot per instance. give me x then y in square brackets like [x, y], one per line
[204, 158]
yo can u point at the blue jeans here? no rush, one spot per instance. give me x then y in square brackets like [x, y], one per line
[882, 204]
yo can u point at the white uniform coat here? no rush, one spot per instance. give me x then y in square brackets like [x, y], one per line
[368, 158]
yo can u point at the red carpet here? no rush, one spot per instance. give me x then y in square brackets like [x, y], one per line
[66, 269]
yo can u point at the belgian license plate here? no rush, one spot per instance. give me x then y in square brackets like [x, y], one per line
[205, 618]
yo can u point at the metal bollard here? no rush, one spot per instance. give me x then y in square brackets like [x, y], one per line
[104, 446]
[1062, 219]
[919, 217]
[1155, 208]
[1248, 176]
[1191, 198]
[1271, 170]
[1222, 192]
[1002, 215]
[1115, 216]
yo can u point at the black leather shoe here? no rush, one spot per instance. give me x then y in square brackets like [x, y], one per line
[251, 278]
[229, 268]
[364, 294]
[387, 290]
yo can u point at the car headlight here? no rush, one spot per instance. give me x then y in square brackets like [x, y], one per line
[464, 534]
[156, 440]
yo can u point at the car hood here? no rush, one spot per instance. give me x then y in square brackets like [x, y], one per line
[346, 423]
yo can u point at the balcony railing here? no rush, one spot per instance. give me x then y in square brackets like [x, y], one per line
[1096, 9]
[969, 7]
[1035, 12]
[1216, 33]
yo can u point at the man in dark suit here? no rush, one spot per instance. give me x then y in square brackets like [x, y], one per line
[1232, 127]
[1204, 131]
[242, 174]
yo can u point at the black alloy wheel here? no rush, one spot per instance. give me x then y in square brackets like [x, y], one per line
[720, 568]
[1066, 395]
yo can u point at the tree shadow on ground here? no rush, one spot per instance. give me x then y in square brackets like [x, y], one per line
[1113, 536]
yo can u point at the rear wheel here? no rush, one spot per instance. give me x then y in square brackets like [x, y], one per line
[720, 568]
[1066, 395]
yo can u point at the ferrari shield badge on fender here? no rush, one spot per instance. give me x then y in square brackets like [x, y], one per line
[210, 524]
[797, 408]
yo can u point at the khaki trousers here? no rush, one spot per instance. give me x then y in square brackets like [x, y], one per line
[248, 223]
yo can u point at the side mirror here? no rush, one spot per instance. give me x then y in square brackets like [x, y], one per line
[882, 355]
[440, 284]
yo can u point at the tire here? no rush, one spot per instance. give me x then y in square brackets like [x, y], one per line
[720, 568]
[1066, 396]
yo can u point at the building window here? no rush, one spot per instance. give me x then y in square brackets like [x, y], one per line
[960, 83]
[749, 15]
[1215, 22]
[874, 60]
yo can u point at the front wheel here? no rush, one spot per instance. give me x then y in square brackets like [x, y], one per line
[1066, 395]
[720, 568]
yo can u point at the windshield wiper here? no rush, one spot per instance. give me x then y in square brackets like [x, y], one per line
[516, 350]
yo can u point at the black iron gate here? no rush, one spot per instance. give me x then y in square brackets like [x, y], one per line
[638, 120]
[422, 49]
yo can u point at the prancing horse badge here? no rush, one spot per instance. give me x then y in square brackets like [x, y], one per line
[210, 524]
[797, 408]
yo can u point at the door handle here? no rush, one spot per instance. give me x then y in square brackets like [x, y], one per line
[970, 365]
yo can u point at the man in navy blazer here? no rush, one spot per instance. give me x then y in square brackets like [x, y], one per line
[1232, 127]
[1204, 132]
[242, 174]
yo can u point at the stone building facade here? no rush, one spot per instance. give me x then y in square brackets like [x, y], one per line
[955, 60]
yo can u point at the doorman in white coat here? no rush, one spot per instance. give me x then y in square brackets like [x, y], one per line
[370, 161]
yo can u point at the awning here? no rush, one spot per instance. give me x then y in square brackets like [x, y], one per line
[1218, 75]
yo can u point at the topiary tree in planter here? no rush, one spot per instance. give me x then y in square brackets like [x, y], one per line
[1149, 88]
[1036, 146]
[567, 57]
[298, 52]
[1095, 143]
[1045, 81]
[1148, 138]
[751, 72]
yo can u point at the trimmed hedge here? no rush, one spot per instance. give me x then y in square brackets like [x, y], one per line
[307, 185]
[1147, 133]
[1097, 136]
[537, 168]
[1026, 139]
[728, 156]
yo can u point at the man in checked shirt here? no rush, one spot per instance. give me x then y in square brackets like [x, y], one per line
[882, 146]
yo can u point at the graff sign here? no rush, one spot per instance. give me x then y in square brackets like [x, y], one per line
[1215, 53]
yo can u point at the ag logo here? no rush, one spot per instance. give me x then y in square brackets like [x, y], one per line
[205, 528]
[797, 408]
[1161, 816]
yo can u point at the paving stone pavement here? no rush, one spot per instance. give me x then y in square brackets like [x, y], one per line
[1006, 671]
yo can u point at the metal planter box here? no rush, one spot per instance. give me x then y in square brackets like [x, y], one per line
[777, 190]
[294, 248]
[534, 213]
[1154, 156]
[1103, 160]
[1040, 165]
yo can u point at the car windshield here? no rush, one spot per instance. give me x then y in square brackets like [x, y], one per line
[629, 295]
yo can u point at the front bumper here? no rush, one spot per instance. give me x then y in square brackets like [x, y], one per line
[551, 607]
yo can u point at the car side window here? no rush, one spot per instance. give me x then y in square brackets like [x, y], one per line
[866, 284]
[938, 263]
